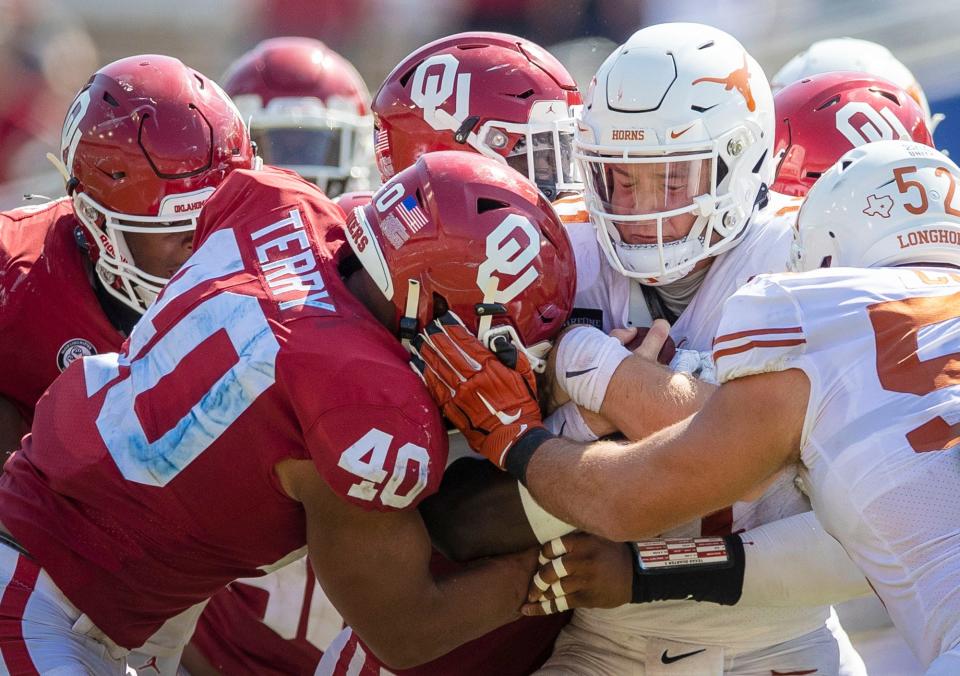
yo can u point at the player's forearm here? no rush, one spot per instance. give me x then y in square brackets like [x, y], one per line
[791, 563]
[451, 610]
[633, 491]
[677, 474]
[644, 397]
[677, 393]
[585, 485]
[477, 512]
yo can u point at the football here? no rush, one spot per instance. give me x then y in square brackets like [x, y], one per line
[666, 352]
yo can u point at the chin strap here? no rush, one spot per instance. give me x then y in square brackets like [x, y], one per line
[502, 340]
[59, 166]
[408, 324]
[486, 318]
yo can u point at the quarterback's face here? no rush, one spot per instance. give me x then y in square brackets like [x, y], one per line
[651, 188]
[160, 254]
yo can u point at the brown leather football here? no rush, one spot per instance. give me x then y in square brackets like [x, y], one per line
[666, 352]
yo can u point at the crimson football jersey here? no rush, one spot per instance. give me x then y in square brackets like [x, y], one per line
[514, 649]
[278, 628]
[148, 481]
[49, 313]
[275, 625]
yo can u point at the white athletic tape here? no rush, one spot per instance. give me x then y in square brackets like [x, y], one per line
[547, 608]
[545, 525]
[559, 568]
[538, 581]
[557, 547]
[586, 360]
[557, 589]
[542, 559]
[562, 604]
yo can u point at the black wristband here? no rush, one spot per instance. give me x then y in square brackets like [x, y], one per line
[714, 583]
[518, 457]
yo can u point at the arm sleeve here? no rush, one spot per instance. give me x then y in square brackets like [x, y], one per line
[795, 562]
[761, 330]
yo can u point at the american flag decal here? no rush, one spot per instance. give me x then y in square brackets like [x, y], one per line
[411, 214]
[381, 143]
[381, 151]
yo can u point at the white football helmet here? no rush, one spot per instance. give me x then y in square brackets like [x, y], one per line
[884, 203]
[677, 129]
[853, 54]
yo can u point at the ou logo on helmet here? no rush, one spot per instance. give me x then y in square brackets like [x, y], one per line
[434, 82]
[881, 125]
[508, 257]
[70, 135]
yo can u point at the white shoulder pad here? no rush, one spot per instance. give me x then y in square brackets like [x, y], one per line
[760, 331]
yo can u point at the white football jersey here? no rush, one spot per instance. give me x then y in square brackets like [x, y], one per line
[765, 248]
[881, 440]
[602, 294]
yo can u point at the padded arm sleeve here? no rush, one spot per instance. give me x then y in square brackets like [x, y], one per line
[795, 562]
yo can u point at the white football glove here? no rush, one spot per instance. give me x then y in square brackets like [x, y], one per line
[698, 364]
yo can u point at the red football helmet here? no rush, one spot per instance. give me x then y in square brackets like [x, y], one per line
[349, 201]
[821, 117]
[309, 111]
[144, 144]
[470, 235]
[496, 94]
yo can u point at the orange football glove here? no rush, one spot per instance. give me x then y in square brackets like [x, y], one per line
[495, 406]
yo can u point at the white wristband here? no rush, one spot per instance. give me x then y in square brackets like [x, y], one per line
[568, 422]
[586, 360]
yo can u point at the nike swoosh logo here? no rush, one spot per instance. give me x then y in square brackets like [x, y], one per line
[574, 374]
[670, 659]
[678, 134]
[501, 416]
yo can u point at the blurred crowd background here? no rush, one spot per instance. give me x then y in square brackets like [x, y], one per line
[49, 48]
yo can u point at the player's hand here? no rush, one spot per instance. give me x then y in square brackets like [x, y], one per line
[653, 343]
[580, 571]
[493, 405]
[648, 343]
